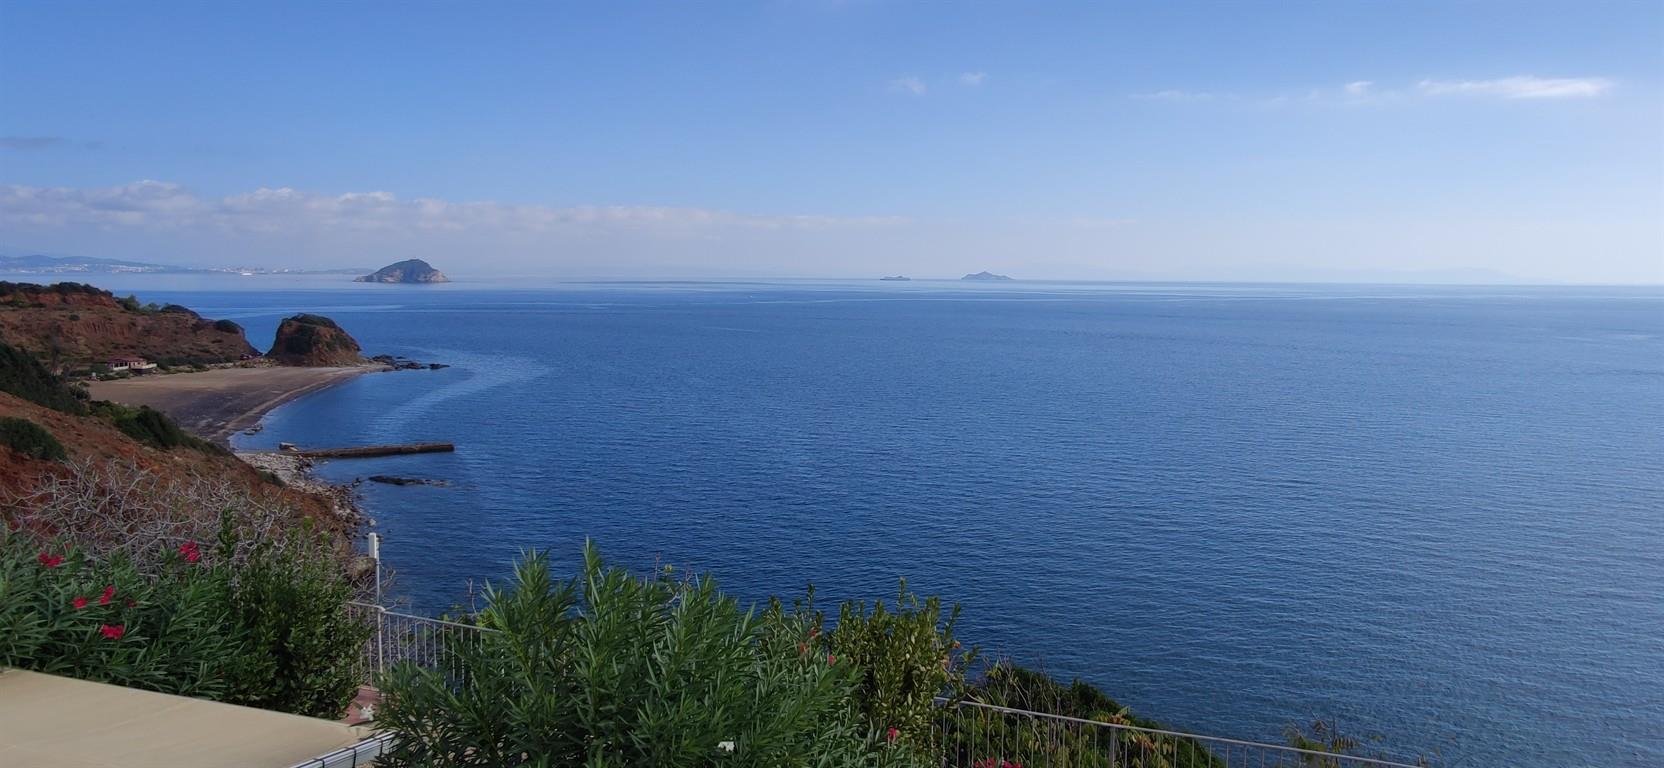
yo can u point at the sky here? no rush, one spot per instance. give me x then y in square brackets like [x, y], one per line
[1371, 141]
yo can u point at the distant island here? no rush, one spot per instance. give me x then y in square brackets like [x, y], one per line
[86, 265]
[407, 271]
[985, 276]
[897, 278]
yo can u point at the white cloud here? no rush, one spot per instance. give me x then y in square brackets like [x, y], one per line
[972, 79]
[908, 84]
[1521, 87]
[155, 205]
[1518, 87]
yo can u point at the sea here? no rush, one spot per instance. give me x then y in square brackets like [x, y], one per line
[1433, 515]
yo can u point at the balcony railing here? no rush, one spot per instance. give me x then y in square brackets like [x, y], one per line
[968, 734]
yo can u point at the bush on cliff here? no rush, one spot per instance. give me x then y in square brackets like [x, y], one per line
[30, 439]
[151, 427]
[24, 376]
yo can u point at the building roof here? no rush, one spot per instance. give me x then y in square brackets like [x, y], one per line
[63, 723]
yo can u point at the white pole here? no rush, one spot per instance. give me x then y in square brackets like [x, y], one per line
[375, 554]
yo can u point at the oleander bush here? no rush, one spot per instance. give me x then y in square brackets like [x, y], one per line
[610, 669]
[266, 627]
[64, 613]
[30, 439]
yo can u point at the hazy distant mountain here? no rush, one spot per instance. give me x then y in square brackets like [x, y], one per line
[86, 265]
[984, 275]
[51, 265]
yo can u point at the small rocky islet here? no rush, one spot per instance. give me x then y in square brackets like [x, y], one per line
[407, 271]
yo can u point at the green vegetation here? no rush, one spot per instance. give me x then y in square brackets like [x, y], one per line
[318, 320]
[151, 427]
[184, 620]
[226, 326]
[131, 304]
[906, 657]
[290, 610]
[967, 735]
[64, 289]
[610, 669]
[30, 439]
[23, 375]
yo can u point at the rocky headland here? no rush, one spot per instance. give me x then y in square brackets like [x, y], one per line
[71, 326]
[314, 341]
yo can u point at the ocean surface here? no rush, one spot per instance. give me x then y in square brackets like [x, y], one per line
[1434, 514]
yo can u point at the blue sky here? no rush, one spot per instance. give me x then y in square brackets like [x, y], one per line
[1166, 140]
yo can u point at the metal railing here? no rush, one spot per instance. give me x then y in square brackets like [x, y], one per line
[977, 735]
[970, 734]
[402, 637]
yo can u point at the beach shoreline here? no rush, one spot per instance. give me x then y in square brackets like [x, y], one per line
[218, 404]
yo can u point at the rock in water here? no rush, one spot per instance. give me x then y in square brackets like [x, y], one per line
[407, 271]
[314, 340]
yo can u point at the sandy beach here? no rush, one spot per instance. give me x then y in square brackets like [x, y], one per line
[217, 404]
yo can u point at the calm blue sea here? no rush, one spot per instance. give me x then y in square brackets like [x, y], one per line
[1436, 514]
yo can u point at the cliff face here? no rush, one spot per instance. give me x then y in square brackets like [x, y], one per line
[70, 325]
[407, 271]
[314, 340]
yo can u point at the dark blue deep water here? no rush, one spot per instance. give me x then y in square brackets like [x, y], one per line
[1436, 514]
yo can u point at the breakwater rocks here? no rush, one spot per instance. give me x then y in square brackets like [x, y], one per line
[398, 363]
[393, 480]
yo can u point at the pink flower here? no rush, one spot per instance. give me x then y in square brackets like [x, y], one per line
[109, 592]
[890, 735]
[830, 659]
[79, 603]
[113, 631]
[189, 551]
[50, 560]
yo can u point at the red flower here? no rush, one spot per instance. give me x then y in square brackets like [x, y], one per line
[830, 659]
[189, 551]
[113, 631]
[79, 603]
[50, 560]
[890, 735]
[109, 592]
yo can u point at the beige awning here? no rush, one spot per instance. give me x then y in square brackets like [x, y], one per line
[56, 722]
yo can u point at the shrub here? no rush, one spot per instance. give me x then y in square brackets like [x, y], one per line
[21, 374]
[110, 509]
[30, 439]
[611, 669]
[968, 731]
[270, 630]
[65, 614]
[301, 643]
[151, 427]
[905, 657]
[226, 326]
